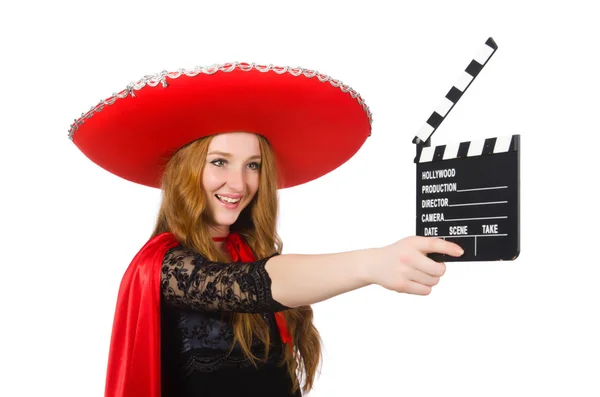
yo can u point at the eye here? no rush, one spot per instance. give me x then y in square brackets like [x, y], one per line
[254, 166]
[215, 162]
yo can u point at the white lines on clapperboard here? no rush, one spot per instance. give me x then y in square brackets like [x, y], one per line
[475, 235]
[475, 219]
[484, 203]
[482, 188]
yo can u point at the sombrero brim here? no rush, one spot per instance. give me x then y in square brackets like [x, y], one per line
[314, 123]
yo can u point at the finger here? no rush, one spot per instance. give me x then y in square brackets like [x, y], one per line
[417, 289]
[429, 245]
[423, 278]
[421, 262]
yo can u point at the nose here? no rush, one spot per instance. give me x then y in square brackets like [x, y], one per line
[236, 180]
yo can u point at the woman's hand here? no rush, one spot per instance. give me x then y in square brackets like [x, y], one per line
[404, 266]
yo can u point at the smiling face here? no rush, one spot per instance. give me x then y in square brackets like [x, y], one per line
[230, 178]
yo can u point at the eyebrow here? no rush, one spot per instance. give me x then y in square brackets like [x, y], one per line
[257, 156]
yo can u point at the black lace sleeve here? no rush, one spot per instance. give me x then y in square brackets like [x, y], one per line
[189, 280]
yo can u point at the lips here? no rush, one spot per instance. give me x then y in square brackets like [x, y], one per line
[236, 198]
[227, 204]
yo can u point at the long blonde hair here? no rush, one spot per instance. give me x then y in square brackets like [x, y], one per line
[184, 212]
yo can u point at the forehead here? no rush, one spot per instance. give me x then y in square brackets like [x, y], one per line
[236, 143]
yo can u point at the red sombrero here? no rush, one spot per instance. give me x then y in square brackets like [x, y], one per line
[314, 123]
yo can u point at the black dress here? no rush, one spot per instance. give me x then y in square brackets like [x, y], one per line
[197, 301]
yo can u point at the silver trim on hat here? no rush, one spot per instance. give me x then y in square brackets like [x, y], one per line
[161, 78]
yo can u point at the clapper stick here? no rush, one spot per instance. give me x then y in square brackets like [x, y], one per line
[422, 139]
[468, 192]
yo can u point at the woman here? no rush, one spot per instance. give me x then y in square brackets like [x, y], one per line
[210, 306]
[205, 314]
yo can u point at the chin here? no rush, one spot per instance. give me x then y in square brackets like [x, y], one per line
[226, 220]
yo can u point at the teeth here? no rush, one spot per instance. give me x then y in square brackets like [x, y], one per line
[227, 199]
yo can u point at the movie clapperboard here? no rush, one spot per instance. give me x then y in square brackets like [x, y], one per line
[468, 192]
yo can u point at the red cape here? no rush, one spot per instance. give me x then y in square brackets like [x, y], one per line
[134, 355]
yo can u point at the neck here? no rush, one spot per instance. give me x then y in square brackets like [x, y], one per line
[218, 232]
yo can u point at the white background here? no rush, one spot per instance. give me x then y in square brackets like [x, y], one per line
[69, 228]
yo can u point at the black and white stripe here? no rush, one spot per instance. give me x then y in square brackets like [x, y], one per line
[468, 149]
[456, 92]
